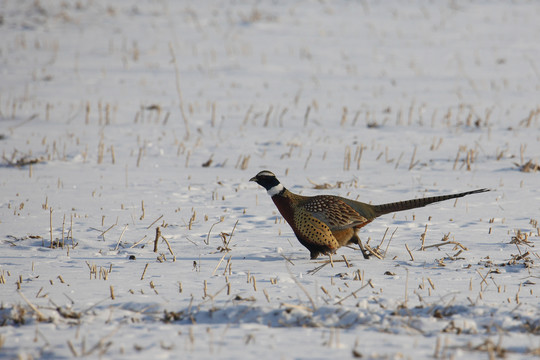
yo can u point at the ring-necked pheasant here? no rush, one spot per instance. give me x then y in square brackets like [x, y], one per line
[324, 223]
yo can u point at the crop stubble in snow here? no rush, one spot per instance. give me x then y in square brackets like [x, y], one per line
[128, 133]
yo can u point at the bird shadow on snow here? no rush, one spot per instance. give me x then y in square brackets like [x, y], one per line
[253, 258]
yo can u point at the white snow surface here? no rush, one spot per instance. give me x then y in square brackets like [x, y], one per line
[120, 117]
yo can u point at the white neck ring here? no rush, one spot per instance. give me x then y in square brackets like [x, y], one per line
[275, 190]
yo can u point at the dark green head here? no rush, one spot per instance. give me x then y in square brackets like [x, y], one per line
[268, 180]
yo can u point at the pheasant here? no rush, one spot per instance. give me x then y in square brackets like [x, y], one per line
[324, 223]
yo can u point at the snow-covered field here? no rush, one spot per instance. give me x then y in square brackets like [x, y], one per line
[119, 118]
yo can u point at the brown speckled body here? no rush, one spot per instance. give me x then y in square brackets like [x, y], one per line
[321, 223]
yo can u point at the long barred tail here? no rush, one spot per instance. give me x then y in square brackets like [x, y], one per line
[416, 203]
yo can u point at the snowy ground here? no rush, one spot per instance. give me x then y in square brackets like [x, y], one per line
[120, 117]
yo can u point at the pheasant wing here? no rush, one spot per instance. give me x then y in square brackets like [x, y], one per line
[334, 212]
